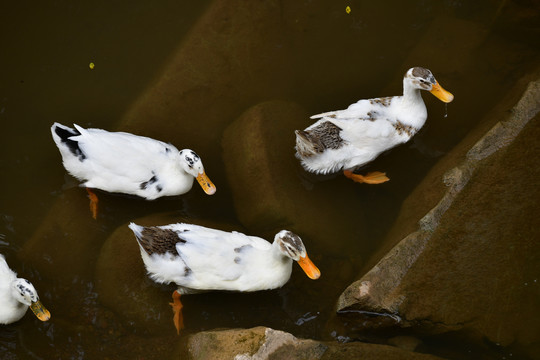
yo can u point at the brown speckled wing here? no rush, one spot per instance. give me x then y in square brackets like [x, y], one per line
[155, 240]
[401, 128]
[325, 136]
[384, 101]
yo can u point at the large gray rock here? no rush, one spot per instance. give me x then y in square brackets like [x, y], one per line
[467, 256]
[263, 343]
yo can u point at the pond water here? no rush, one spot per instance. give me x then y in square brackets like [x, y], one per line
[327, 58]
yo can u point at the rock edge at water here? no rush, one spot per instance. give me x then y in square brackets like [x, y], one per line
[470, 263]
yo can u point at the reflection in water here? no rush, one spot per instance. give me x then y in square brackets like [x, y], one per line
[306, 317]
[315, 54]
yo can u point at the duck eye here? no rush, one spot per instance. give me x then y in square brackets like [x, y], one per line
[195, 156]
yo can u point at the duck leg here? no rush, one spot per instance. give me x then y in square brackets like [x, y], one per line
[177, 308]
[375, 177]
[93, 202]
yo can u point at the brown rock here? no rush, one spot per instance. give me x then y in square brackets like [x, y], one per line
[264, 343]
[267, 185]
[472, 263]
[212, 76]
[65, 240]
[409, 343]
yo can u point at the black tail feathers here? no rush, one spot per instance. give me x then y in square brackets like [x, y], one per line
[64, 133]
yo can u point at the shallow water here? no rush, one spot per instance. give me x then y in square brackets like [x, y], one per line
[329, 60]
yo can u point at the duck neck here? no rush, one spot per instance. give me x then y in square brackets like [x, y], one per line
[411, 94]
[412, 106]
[278, 256]
[276, 253]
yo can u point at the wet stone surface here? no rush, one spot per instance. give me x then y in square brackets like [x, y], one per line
[472, 266]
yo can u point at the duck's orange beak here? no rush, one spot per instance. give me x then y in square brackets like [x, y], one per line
[40, 311]
[441, 94]
[309, 268]
[206, 184]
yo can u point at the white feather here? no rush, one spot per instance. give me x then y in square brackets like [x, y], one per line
[122, 162]
[368, 127]
[13, 305]
[210, 259]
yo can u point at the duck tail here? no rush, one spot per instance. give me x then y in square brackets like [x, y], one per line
[305, 144]
[331, 114]
[62, 136]
[137, 230]
[63, 133]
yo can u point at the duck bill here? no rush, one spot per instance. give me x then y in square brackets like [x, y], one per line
[206, 184]
[441, 94]
[39, 310]
[309, 268]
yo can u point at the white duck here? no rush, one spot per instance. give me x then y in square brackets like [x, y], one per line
[16, 295]
[197, 259]
[126, 163]
[347, 139]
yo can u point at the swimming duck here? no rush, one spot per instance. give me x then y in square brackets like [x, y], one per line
[198, 258]
[16, 295]
[348, 139]
[126, 163]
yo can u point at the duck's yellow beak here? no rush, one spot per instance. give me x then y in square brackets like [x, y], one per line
[206, 184]
[441, 94]
[39, 310]
[309, 268]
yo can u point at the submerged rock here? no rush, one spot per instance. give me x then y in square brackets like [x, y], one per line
[269, 192]
[263, 343]
[216, 71]
[65, 240]
[471, 265]
[122, 282]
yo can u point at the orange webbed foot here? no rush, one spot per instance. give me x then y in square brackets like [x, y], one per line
[177, 309]
[375, 177]
[93, 202]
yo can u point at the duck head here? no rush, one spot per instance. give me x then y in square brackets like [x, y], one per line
[24, 292]
[290, 245]
[423, 79]
[192, 164]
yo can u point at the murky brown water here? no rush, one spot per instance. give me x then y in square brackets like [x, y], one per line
[330, 58]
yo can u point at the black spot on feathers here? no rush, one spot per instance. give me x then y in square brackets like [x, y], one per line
[192, 158]
[152, 180]
[195, 156]
[241, 248]
[72, 145]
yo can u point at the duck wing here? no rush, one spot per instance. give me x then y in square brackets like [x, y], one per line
[217, 258]
[112, 161]
[197, 257]
[367, 109]
[348, 138]
[6, 273]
